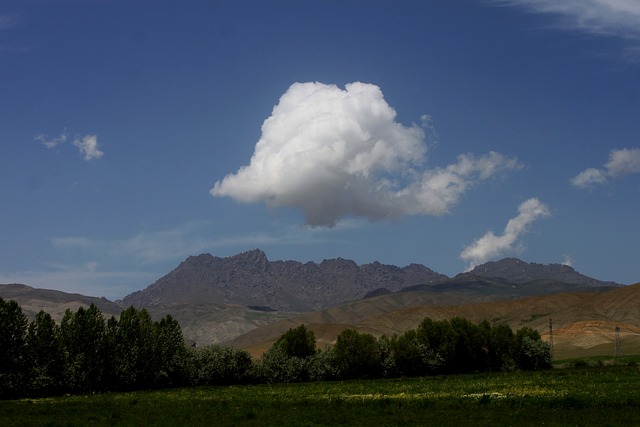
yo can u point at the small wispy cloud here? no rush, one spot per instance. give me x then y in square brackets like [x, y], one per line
[71, 242]
[614, 18]
[622, 162]
[51, 142]
[8, 21]
[491, 246]
[87, 145]
[191, 238]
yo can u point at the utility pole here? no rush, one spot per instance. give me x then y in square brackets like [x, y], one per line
[551, 337]
[618, 349]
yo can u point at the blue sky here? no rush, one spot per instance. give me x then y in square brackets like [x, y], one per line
[137, 133]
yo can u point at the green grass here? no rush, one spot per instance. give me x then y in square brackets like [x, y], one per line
[603, 396]
[632, 359]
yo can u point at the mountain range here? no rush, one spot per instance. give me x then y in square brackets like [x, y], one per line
[247, 300]
[252, 280]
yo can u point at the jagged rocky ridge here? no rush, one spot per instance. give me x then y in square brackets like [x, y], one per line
[250, 279]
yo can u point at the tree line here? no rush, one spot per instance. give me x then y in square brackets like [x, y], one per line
[435, 347]
[88, 353]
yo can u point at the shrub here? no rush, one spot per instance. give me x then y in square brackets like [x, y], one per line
[323, 366]
[276, 366]
[534, 354]
[413, 357]
[219, 365]
[387, 357]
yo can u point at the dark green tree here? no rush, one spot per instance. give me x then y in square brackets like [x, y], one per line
[132, 349]
[298, 342]
[501, 348]
[13, 363]
[290, 358]
[439, 339]
[85, 351]
[358, 355]
[484, 345]
[531, 353]
[44, 355]
[408, 355]
[171, 353]
[469, 351]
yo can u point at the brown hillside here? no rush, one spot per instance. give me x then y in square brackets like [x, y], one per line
[32, 300]
[583, 322]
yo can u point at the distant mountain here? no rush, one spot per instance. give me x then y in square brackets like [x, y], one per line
[517, 271]
[481, 288]
[32, 300]
[251, 279]
[218, 299]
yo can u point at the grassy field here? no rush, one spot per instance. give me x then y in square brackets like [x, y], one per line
[600, 396]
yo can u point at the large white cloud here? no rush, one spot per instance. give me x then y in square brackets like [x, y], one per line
[335, 152]
[491, 246]
[621, 162]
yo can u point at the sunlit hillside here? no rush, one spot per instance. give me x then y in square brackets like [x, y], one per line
[583, 323]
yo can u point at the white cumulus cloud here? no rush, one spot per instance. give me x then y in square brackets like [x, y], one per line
[334, 152]
[625, 161]
[491, 246]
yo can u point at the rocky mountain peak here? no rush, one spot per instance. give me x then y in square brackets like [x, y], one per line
[254, 260]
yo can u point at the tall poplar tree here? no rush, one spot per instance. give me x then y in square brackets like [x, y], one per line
[85, 349]
[44, 355]
[13, 330]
